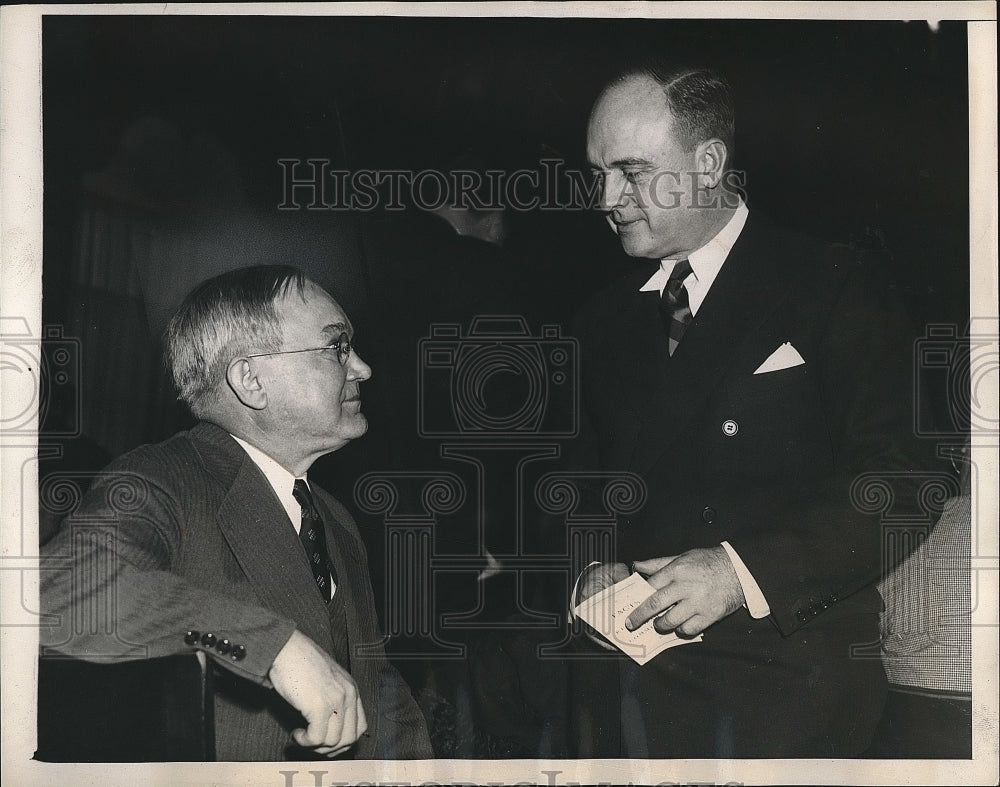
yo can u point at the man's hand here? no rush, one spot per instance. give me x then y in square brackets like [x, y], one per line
[694, 590]
[593, 580]
[323, 692]
[596, 578]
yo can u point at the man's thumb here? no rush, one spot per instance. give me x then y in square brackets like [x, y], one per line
[307, 737]
[652, 565]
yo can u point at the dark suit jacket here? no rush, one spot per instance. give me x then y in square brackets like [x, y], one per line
[188, 535]
[781, 489]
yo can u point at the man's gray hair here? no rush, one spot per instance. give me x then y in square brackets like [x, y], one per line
[223, 318]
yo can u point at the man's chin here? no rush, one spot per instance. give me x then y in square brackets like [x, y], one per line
[636, 247]
[360, 424]
[352, 425]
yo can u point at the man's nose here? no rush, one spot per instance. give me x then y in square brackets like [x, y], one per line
[357, 369]
[612, 192]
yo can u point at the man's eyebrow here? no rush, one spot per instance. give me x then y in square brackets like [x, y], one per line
[622, 163]
[332, 331]
[630, 162]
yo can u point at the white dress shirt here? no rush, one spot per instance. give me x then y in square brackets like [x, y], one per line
[706, 263]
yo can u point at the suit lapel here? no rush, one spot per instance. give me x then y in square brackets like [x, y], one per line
[341, 547]
[749, 287]
[623, 342]
[256, 527]
[642, 369]
[343, 553]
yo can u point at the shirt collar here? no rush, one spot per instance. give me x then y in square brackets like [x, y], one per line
[707, 261]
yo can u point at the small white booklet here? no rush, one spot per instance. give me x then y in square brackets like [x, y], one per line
[606, 613]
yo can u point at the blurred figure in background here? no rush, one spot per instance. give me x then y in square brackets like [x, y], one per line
[442, 264]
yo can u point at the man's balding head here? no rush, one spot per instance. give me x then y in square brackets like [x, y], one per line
[658, 143]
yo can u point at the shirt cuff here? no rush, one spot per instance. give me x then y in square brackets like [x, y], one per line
[756, 604]
[576, 585]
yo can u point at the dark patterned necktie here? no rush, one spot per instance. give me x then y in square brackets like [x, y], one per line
[674, 308]
[313, 538]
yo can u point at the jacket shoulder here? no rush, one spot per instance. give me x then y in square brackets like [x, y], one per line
[171, 475]
[613, 297]
[174, 456]
[814, 264]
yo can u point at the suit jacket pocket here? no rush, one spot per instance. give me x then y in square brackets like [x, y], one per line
[790, 375]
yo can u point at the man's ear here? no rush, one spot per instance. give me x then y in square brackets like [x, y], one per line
[711, 158]
[245, 383]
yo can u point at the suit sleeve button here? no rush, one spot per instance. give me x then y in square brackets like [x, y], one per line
[223, 646]
[239, 653]
[208, 639]
[708, 515]
[191, 638]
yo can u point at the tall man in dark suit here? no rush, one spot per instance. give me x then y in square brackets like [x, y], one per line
[753, 378]
[221, 544]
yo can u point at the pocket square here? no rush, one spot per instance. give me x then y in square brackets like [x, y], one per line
[785, 357]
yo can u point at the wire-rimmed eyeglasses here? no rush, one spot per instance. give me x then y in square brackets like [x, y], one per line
[342, 347]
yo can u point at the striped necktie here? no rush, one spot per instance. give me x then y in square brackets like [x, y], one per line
[313, 538]
[674, 308]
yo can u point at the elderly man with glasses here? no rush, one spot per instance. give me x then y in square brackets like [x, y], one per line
[222, 545]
